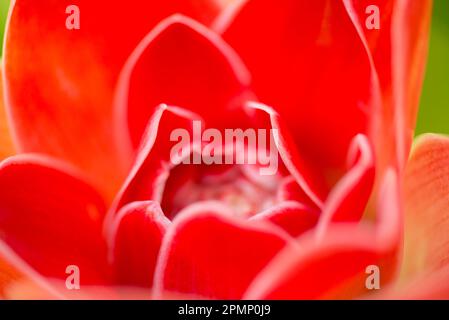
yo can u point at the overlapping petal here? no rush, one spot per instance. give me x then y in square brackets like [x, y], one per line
[147, 178]
[349, 198]
[52, 219]
[398, 51]
[300, 169]
[293, 217]
[308, 62]
[6, 144]
[181, 63]
[209, 254]
[426, 206]
[334, 266]
[19, 281]
[425, 270]
[136, 240]
[313, 61]
[60, 82]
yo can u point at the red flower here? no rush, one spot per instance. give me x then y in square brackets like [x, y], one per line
[92, 112]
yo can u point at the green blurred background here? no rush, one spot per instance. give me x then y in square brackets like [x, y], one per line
[3, 12]
[434, 111]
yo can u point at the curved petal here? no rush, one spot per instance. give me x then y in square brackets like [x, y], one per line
[308, 61]
[349, 198]
[399, 52]
[138, 231]
[147, 178]
[409, 58]
[293, 217]
[426, 193]
[6, 144]
[334, 269]
[289, 190]
[425, 272]
[305, 176]
[207, 253]
[181, 63]
[378, 41]
[52, 219]
[334, 266]
[14, 273]
[60, 82]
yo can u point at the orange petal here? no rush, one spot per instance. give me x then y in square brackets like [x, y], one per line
[60, 83]
[427, 206]
[6, 145]
[425, 271]
[19, 281]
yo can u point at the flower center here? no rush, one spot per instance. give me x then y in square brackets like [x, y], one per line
[240, 187]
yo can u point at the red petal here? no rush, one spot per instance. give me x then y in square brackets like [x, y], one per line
[399, 51]
[52, 219]
[334, 266]
[308, 62]
[209, 254]
[378, 41]
[293, 217]
[289, 190]
[332, 270]
[138, 232]
[60, 82]
[305, 176]
[146, 180]
[410, 40]
[15, 273]
[349, 198]
[181, 63]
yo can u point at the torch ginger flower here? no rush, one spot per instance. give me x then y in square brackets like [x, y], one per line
[92, 185]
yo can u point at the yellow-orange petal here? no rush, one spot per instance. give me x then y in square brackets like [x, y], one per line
[427, 207]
